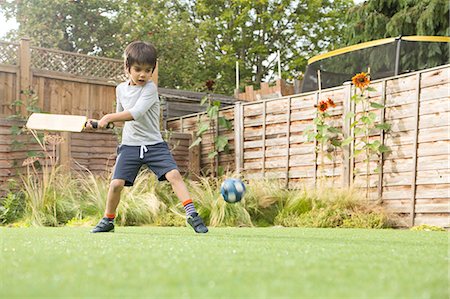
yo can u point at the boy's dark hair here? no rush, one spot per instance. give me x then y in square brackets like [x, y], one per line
[141, 53]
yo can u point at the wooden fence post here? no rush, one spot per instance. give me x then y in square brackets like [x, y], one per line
[346, 122]
[264, 115]
[65, 152]
[288, 140]
[238, 136]
[194, 158]
[25, 76]
[415, 145]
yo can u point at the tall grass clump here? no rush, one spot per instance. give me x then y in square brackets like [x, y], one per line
[139, 205]
[331, 207]
[214, 210]
[263, 199]
[48, 191]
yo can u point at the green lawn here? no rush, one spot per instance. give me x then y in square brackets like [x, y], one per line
[155, 262]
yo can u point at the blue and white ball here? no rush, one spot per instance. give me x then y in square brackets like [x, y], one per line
[232, 190]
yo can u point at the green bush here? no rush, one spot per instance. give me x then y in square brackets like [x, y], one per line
[428, 228]
[12, 207]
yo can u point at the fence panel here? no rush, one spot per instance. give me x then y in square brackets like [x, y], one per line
[412, 180]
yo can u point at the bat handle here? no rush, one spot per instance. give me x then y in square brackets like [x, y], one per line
[95, 125]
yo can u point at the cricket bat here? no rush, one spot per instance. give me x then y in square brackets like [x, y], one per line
[60, 122]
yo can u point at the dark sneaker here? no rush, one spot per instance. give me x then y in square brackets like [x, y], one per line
[105, 225]
[197, 224]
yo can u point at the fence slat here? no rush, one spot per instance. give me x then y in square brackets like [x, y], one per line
[415, 146]
[288, 137]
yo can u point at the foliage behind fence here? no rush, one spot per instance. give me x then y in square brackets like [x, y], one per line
[414, 178]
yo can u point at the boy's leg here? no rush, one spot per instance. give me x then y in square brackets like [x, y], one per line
[106, 224]
[115, 188]
[180, 189]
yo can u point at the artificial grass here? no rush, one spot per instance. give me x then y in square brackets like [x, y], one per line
[160, 262]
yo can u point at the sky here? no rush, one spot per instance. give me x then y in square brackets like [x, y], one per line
[6, 26]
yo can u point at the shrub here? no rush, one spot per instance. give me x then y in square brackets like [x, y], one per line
[332, 208]
[428, 228]
[12, 207]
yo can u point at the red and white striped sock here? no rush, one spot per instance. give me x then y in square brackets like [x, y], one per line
[189, 207]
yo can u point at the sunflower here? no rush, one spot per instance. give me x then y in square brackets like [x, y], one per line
[361, 80]
[323, 106]
[331, 103]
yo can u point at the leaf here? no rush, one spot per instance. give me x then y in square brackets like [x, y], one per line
[336, 142]
[354, 124]
[347, 141]
[196, 142]
[225, 123]
[311, 135]
[212, 111]
[334, 130]
[367, 120]
[383, 126]
[370, 88]
[211, 155]
[384, 149]
[358, 131]
[220, 171]
[349, 115]
[376, 105]
[358, 152]
[204, 100]
[203, 127]
[221, 142]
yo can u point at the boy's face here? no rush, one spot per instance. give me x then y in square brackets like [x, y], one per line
[139, 74]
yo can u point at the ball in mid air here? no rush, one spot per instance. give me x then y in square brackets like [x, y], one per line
[232, 190]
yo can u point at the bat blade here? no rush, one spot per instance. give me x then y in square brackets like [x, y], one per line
[56, 122]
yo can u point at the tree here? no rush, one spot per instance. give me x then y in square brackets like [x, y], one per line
[77, 26]
[251, 32]
[167, 25]
[197, 40]
[375, 19]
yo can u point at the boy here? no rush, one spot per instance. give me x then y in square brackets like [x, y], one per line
[138, 107]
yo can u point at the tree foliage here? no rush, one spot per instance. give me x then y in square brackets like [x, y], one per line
[197, 40]
[77, 26]
[375, 19]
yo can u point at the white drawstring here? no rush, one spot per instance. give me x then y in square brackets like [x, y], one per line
[143, 149]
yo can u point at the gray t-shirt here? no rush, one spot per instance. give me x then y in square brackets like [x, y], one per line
[143, 104]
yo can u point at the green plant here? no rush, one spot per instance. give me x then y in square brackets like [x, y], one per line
[214, 210]
[12, 207]
[212, 124]
[329, 138]
[29, 101]
[330, 207]
[46, 187]
[428, 228]
[365, 123]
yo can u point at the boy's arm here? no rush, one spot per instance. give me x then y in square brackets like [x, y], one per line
[114, 117]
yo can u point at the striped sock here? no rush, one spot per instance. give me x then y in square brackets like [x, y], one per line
[189, 207]
[110, 216]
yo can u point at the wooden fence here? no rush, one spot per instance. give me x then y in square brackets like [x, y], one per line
[93, 151]
[62, 82]
[413, 179]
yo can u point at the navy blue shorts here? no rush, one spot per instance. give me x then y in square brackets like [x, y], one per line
[129, 160]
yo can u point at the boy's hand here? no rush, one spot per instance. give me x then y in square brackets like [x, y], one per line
[103, 123]
[88, 126]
